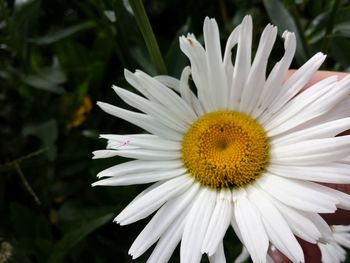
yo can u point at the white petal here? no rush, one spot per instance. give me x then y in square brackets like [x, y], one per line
[289, 116]
[196, 226]
[169, 81]
[219, 222]
[187, 94]
[199, 68]
[169, 240]
[256, 78]
[243, 256]
[311, 152]
[167, 97]
[336, 173]
[277, 75]
[231, 42]
[153, 109]
[216, 72]
[252, 229]
[148, 141]
[324, 130]
[104, 154]
[242, 63]
[152, 200]
[334, 94]
[163, 219]
[141, 178]
[139, 166]
[297, 81]
[302, 195]
[301, 225]
[219, 255]
[145, 154]
[276, 227]
[144, 121]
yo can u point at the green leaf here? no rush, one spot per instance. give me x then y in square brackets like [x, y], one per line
[281, 17]
[63, 33]
[72, 238]
[148, 35]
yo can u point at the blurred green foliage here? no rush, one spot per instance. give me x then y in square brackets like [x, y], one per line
[57, 58]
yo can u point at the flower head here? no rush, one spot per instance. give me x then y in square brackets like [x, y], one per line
[242, 150]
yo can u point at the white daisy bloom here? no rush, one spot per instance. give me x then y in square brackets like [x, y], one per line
[242, 150]
[333, 252]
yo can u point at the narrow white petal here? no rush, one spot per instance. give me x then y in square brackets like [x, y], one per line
[301, 225]
[166, 97]
[219, 222]
[312, 152]
[143, 121]
[187, 94]
[145, 154]
[219, 255]
[321, 225]
[141, 178]
[297, 81]
[216, 72]
[139, 166]
[243, 256]
[324, 130]
[152, 200]
[340, 110]
[148, 141]
[104, 154]
[163, 219]
[256, 78]
[153, 109]
[242, 63]
[334, 94]
[336, 173]
[169, 81]
[251, 228]
[276, 227]
[168, 241]
[196, 226]
[277, 75]
[231, 42]
[199, 68]
[301, 195]
[300, 105]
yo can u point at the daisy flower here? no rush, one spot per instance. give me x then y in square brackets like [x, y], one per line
[241, 149]
[333, 252]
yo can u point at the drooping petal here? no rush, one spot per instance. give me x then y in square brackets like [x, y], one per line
[252, 229]
[196, 226]
[152, 200]
[141, 178]
[219, 222]
[163, 219]
[139, 166]
[216, 71]
[242, 63]
[169, 240]
[143, 121]
[331, 173]
[304, 195]
[219, 255]
[276, 227]
[256, 78]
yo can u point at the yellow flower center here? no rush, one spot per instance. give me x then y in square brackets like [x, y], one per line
[225, 149]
